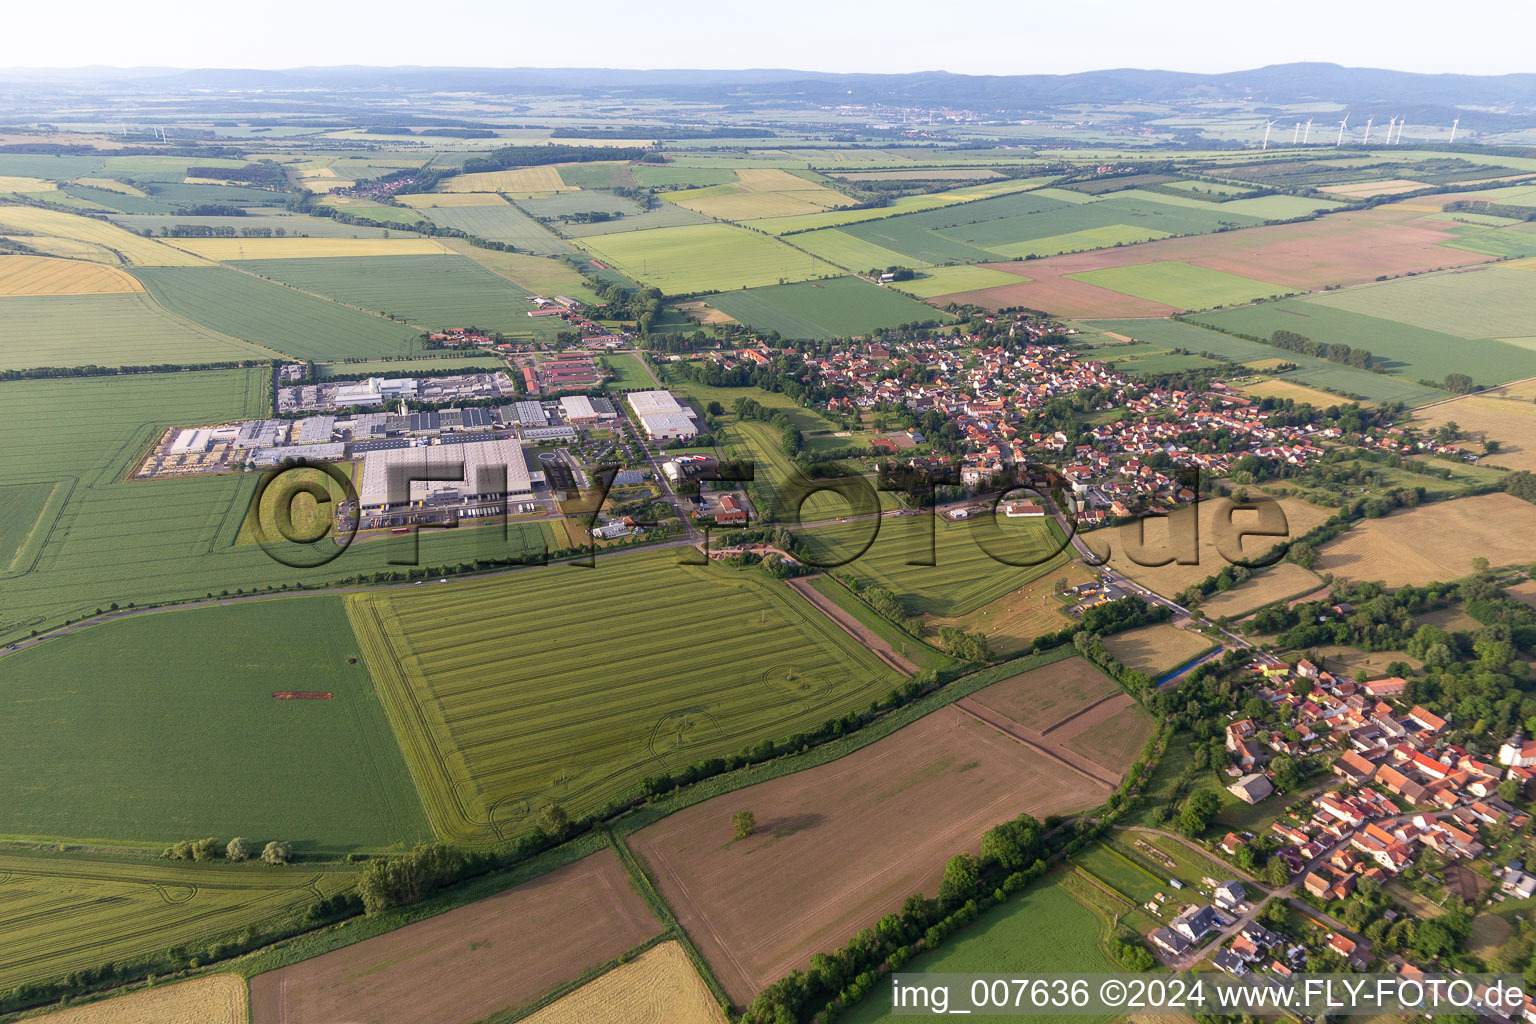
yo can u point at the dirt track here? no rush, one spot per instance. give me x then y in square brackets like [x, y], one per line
[876, 646]
[469, 963]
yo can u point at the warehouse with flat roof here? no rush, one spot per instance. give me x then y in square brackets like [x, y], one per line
[646, 403]
[473, 471]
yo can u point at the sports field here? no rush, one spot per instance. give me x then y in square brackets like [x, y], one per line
[277, 318]
[704, 257]
[216, 999]
[660, 986]
[125, 329]
[38, 275]
[1042, 930]
[471, 963]
[1285, 580]
[67, 914]
[196, 688]
[1180, 285]
[969, 570]
[1397, 550]
[1157, 648]
[505, 715]
[840, 845]
[117, 244]
[842, 307]
[429, 291]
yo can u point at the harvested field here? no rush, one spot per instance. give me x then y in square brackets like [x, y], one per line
[1396, 549]
[1015, 619]
[659, 986]
[307, 248]
[19, 183]
[1285, 580]
[1344, 248]
[1121, 542]
[1157, 648]
[840, 845]
[476, 960]
[1524, 592]
[1299, 393]
[116, 244]
[1502, 415]
[219, 999]
[39, 275]
[1346, 661]
[521, 179]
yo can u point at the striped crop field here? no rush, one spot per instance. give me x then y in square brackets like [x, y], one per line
[704, 257]
[125, 246]
[39, 275]
[126, 329]
[59, 915]
[571, 686]
[307, 248]
[424, 200]
[15, 183]
[521, 179]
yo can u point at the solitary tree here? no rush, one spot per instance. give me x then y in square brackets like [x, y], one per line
[745, 823]
[277, 853]
[238, 849]
[554, 822]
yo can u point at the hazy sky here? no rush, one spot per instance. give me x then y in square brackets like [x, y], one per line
[977, 36]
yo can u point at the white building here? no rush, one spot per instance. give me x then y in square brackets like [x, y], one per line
[646, 403]
[578, 409]
[475, 470]
[669, 426]
[192, 440]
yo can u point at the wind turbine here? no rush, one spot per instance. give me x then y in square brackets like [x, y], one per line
[1390, 125]
[1367, 140]
[1340, 140]
[1295, 135]
[1453, 128]
[1267, 126]
[1401, 122]
[1308, 133]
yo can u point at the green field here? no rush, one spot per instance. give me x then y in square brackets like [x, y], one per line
[1487, 302]
[541, 275]
[59, 915]
[838, 246]
[501, 222]
[291, 224]
[779, 483]
[125, 329]
[1405, 349]
[704, 257]
[1182, 285]
[673, 176]
[103, 537]
[584, 201]
[810, 421]
[431, 292]
[666, 215]
[401, 367]
[629, 374]
[277, 318]
[964, 576]
[1512, 240]
[512, 709]
[948, 280]
[171, 732]
[1042, 930]
[843, 307]
[21, 505]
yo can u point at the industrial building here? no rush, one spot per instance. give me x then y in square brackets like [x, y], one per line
[662, 417]
[475, 468]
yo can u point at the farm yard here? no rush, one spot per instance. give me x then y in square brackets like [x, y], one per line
[67, 914]
[276, 318]
[500, 721]
[842, 307]
[216, 999]
[1392, 549]
[840, 845]
[660, 986]
[704, 258]
[472, 962]
[1157, 648]
[332, 775]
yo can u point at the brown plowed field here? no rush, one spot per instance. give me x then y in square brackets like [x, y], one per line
[464, 965]
[1043, 697]
[1343, 248]
[841, 845]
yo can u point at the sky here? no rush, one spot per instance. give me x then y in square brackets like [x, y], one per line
[973, 37]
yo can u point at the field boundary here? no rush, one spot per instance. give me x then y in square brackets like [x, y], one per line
[1015, 732]
[876, 645]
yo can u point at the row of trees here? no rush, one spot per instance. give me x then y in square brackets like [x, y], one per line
[237, 849]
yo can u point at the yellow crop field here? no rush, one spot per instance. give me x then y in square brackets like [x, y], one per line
[110, 185]
[1169, 579]
[760, 192]
[1157, 648]
[1398, 550]
[219, 999]
[125, 245]
[659, 986]
[1285, 580]
[308, 248]
[41, 275]
[521, 179]
[1277, 388]
[1506, 415]
[424, 200]
[15, 183]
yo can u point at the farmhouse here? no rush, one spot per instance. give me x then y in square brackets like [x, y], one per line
[1251, 788]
